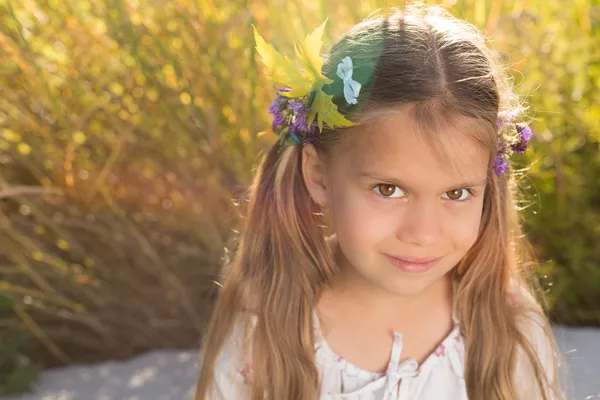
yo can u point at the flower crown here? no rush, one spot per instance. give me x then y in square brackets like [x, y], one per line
[301, 107]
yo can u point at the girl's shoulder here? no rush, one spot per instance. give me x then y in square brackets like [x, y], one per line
[235, 359]
[538, 333]
[535, 326]
[531, 319]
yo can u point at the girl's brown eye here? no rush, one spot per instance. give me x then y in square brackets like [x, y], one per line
[457, 194]
[454, 194]
[387, 190]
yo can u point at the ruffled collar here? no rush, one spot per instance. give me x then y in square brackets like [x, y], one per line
[450, 348]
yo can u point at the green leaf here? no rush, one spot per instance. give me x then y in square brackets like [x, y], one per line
[325, 111]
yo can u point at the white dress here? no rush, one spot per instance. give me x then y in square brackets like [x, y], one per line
[439, 377]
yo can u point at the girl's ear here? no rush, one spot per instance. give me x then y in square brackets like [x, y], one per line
[314, 174]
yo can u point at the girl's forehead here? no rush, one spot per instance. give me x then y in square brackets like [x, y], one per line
[395, 142]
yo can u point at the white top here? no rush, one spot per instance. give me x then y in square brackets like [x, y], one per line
[440, 376]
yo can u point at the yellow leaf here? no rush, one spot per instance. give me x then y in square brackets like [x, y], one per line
[282, 69]
[325, 110]
[308, 53]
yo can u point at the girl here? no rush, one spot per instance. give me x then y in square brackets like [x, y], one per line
[380, 256]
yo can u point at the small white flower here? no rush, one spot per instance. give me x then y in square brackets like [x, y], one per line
[351, 87]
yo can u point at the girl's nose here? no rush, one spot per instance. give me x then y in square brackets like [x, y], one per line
[421, 224]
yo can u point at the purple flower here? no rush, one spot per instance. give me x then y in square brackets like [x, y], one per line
[500, 165]
[525, 136]
[519, 147]
[300, 123]
[297, 106]
[275, 106]
[524, 132]
[278, 120]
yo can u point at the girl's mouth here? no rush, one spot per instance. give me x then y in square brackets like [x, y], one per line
[413, 264]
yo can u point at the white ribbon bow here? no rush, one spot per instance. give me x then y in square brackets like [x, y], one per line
[351, 87]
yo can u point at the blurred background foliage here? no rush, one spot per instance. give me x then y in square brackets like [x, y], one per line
[128, 128]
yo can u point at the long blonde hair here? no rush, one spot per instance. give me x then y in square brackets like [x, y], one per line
[425, 58]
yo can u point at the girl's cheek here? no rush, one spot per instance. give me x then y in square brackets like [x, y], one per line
[357, 212]
[373, 221]
[465, 225]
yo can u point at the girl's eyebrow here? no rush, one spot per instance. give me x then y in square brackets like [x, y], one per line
[466, 184]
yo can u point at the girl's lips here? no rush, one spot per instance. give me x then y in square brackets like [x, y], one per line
[413, 264]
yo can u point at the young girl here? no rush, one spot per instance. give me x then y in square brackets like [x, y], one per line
[380, 257]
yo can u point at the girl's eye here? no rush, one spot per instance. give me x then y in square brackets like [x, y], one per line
[387, 190]
[457, 194]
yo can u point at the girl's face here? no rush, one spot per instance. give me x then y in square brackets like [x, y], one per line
[390, 194]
